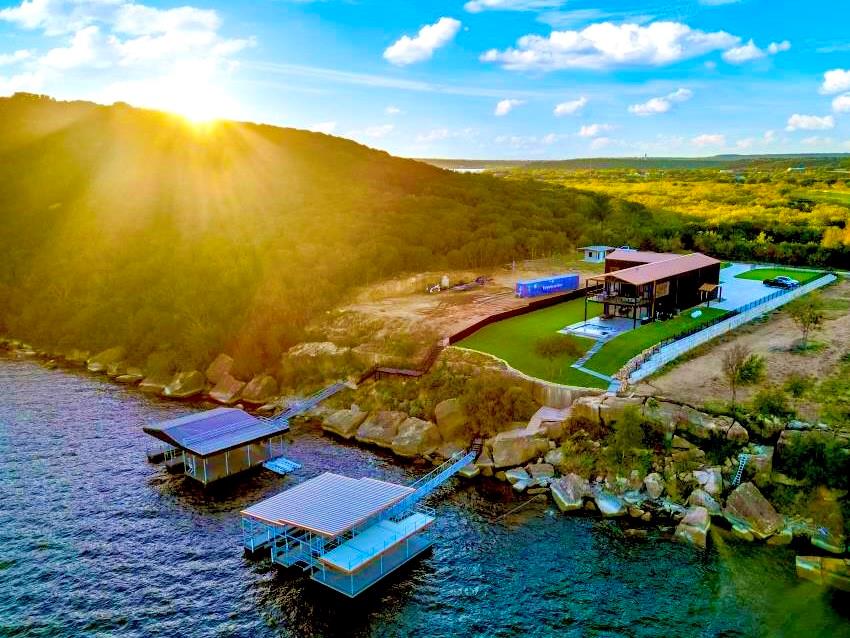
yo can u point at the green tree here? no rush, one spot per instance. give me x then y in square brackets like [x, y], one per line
[493, 401]
[741, 367]
[808, 314]
[627, 439]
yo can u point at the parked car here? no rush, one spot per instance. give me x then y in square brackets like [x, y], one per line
[781, 282]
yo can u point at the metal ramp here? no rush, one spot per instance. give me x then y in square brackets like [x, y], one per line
[742, 463]
[302, 406]
[281, 465]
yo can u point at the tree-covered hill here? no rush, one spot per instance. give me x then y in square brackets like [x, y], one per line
[121, 226]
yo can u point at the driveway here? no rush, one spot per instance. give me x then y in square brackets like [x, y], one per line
[739, 292]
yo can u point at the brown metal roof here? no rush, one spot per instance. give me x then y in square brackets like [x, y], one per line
[640, 256]
[329, 504]
[670, 267]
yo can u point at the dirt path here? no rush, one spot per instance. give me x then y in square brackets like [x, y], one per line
[699, 379]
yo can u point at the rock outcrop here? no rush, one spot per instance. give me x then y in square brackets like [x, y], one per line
[380, 428]
[701, 498]
[746, 507]
[131, 375]
[185, 385]
[156, 382]
[549, 422]
[516, 447]
[654, 485]
[344, 423]
[219, 369]
[694, 527]
[227, 389]
[451, 420]
[609, 504]
[416, 438]
[710, 480]
[827, 572]
[261, 389]
[569, 492]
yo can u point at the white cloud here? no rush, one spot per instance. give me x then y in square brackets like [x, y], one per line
[440, 134]
[374, 132]
[392, 110]
[570, 107]
[709, 139]
[476, 6]
[506, 106]
[600, 142]
[27, 82]
[769, 137]
[15, 57]
[835, 81]
[606, 45]
[657, 105]
[575, 17]
[324, 127]
[592, 130]
[749, 51]
[841, 104]
[817, 141]
[88, 47]
[407, 50]
[799, 122]
[138, 19]
[61, 16]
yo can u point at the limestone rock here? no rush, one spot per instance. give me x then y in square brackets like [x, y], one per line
[827, 572]
[220, 368]
[451, 420]
[77, 357]
[783, 537]
[829, 522]
[130, 375]
[742, 532]
[738, 434]
[710, 479]
[185, 385]
[416, 438]
[586, 409]
[516, 447]
[747, 507]
[701, 498]
[761, 464]
[541, 470]
[611, 409]
[549, 422]
[261, 389]
[469, 471]
[380, 428]
[551, 394]
[569, 492]
[517, 474]
[227, 389]
[693, 528]
[101, 360]
[555, 457]
[156, 382]
[344, 423]
[654, 485]
[608, 504]
[520, 486]
[484, 462]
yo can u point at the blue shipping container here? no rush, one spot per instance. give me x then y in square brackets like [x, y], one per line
[546, 285]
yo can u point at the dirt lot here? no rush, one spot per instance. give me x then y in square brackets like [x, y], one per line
[401, 308]
[699, 379]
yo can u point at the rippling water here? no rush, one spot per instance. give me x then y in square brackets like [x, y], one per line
[94, 541]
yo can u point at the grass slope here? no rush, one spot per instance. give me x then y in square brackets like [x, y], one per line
[514, 341]
[760, 274]
[614, 354]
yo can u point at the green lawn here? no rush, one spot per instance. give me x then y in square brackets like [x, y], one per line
[614, 354]
[760, 274]
[514, 341]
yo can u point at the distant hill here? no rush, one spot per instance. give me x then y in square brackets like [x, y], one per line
[121, 226]
[766, 162]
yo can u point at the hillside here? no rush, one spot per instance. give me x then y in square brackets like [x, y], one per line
[129, 227]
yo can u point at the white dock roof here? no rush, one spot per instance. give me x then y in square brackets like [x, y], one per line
[329, 504]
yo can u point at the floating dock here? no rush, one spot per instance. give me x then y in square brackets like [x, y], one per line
[347, 533]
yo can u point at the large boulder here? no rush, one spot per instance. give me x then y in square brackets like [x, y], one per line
[156, 382]
[586, 410]
[101, 360]
[516, 447]
[451, 420]
[746, 507]
[710, 479]
[344, 423]
[77, 357]
[261, 389]
[484, 462]
[701, 498]
[825, 510]
[693, 528]
[220, 368]
[827, 572]
[185, 385]
[760, 464]
[737, 433]
[613, 408]
[569, 492]
[227, 389]
[549, 422]
[609, 504]
[416, 438]
[654, 485]
[380, 428]
[131, 375]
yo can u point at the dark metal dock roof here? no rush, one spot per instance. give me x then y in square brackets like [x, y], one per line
[214, 431]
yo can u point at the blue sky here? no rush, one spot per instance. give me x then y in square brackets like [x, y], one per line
[462, 78]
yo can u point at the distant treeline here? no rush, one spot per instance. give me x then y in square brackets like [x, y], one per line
[121, 226]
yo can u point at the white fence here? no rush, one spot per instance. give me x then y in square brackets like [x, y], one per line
[676, 349]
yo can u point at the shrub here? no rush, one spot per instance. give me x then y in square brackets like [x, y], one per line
[627, 439]
[772, 401]
[493, 401]
[798, 385]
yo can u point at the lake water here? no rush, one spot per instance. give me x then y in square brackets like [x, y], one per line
[94, 541]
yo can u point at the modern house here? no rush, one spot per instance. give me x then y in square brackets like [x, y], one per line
[643, 285]
[596, 254]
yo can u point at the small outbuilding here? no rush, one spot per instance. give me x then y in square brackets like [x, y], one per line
[596, 254]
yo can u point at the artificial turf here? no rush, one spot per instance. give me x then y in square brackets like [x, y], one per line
[760, 274]
[617, 352]
[514, 340]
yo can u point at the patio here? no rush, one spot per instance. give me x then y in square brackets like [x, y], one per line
[598, 328]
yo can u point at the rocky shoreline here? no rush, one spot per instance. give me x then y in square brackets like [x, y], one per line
[678, 489]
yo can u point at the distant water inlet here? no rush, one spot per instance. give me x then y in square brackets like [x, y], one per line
[95, 541]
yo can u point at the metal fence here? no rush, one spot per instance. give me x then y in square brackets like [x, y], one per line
[664, 355]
